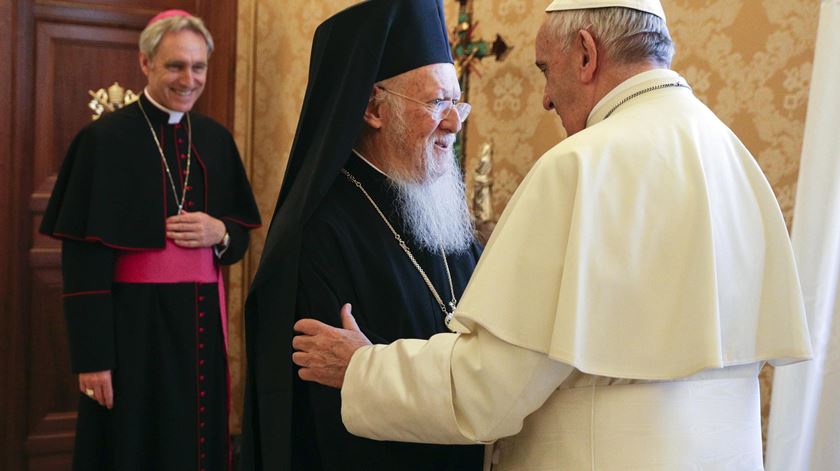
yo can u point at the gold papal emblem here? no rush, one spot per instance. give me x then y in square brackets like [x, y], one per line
[112, 99]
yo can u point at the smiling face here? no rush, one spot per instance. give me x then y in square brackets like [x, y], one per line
[420, 146]
[178, 70]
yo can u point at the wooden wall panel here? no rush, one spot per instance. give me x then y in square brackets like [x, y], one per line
[124, 5]
[217, 100]
[18, 111]
[11, 370]
[70, 59]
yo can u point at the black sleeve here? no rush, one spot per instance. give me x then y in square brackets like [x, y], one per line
[316, 297]
[325, 281]
[318, 408]
[239, 239]
[87, 269]
[324, 285]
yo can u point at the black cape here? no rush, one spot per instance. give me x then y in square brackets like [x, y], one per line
[162, 342]
[112, 187]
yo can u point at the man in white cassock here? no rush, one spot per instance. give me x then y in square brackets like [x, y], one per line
[637, 281]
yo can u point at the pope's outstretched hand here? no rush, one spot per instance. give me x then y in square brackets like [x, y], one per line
[323, 352]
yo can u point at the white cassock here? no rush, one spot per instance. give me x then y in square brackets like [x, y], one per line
[638, 279]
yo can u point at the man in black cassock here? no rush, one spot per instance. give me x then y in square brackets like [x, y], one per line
[150, 201]
[371, 212]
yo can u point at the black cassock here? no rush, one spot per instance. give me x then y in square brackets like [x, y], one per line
[327, 246]
[349, 255]
[163, 342]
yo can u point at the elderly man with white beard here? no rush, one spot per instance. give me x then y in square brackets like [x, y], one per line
[372, 212]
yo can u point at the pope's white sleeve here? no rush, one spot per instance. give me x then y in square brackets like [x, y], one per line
[457, 389]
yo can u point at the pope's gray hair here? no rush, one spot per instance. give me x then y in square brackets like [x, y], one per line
[151, 36]
[628, 36]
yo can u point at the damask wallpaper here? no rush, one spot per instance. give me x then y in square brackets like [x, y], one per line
[749, 60]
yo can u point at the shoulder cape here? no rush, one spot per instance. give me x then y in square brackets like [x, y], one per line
[112, 185]
[661, 251]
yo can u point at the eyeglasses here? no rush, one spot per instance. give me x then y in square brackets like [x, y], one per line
[439, 107]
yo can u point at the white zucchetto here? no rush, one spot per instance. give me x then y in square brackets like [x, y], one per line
[650, 6]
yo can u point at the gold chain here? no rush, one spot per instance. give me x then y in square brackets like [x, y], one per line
[642, 92]
[448, 313]
[166, 165]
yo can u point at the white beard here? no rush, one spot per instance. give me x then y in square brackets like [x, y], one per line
[435, 209]
[433, 206]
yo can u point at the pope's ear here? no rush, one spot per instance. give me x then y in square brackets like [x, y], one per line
[373, 112]
[588, 53]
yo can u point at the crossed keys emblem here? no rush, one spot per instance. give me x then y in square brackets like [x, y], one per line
[112, 99]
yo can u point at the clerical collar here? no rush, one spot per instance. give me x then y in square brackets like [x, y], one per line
[174, 116]
[368, 162]
[634, 85]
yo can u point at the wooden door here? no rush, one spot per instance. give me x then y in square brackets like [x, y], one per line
[51, 53]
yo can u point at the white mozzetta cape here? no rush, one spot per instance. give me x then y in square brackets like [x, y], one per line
[648, 246]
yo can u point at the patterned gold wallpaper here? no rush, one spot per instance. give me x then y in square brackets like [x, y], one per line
[749, 60]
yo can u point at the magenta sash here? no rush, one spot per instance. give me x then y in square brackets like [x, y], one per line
[173, 264]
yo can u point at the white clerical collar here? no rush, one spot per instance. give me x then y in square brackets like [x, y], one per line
[368, 162]
[174, 116]
[627, 88]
